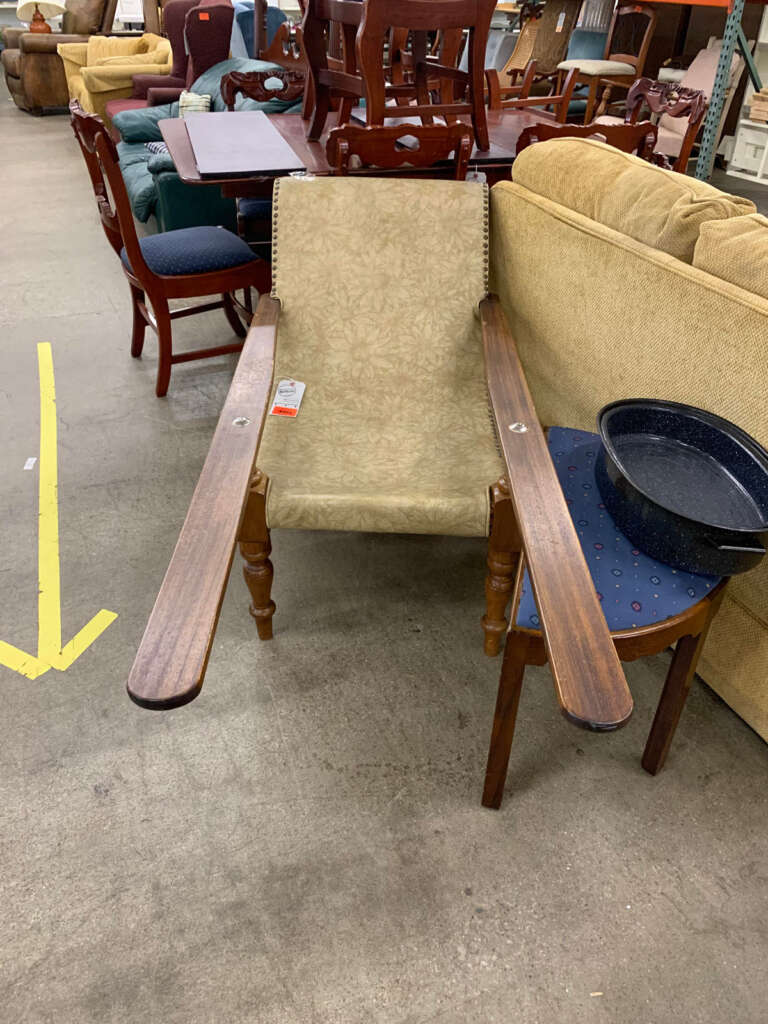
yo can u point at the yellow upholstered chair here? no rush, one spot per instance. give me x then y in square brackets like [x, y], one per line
[103, 68]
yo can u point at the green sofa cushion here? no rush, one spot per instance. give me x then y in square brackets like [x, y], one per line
[141, 125]
[139, 183]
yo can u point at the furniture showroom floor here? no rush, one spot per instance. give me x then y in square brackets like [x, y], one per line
[305, 842]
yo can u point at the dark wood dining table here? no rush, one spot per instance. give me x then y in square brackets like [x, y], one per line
[504, 128]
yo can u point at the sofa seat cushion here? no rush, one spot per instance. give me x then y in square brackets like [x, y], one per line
[737, 251]
[597, 67]
[139, 183]
[12, 62]
[199, 250]
[659, 208]
[634, 590]
[142, 124]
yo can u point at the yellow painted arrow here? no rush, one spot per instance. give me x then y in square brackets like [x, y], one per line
[50, 652]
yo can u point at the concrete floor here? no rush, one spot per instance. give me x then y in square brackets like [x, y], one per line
[305, 843]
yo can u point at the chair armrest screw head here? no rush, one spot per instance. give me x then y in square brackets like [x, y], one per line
[518, 428]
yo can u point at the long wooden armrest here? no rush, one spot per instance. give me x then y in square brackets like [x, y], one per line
[588, 676]
[170, 664]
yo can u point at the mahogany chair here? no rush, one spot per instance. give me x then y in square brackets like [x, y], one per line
[365, 27]
[663, 99]
[387, 275]
[629, 138]
[517, 97]
[380, 149]
[176, 264]
[626, 49]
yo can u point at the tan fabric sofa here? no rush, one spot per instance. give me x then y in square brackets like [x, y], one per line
[623, 280]
[102, 69]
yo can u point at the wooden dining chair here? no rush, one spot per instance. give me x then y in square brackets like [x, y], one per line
[418, 151]
[637, 138]
[377, 284]
[365, 28]
[178, 264]
[626, 49]
[518, 97]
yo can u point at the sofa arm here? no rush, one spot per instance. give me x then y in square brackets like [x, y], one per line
[159, 97]
[73, 54]
[44, 42]
[11, 36]
[143, 83]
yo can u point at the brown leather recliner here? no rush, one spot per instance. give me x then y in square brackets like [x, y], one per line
[33, 69]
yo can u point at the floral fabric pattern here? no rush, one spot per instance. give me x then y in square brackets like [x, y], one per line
[379, 282]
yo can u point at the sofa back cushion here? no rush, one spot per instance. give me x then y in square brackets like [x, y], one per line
[659, 208]
[83, 17]
[736, 250]
[102, 48]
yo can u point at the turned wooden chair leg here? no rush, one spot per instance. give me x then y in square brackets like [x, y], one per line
[503, 560]
[504, 718]
[139, 322]
[676, 689]
[230, 312]
[256, 547]
[164, 346]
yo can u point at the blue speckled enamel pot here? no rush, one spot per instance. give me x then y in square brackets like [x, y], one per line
[687, 487]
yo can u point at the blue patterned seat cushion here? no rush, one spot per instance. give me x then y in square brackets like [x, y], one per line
[634, 590]
[192, 251]
[256, 209]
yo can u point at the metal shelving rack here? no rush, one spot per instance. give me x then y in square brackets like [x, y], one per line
[733, 36]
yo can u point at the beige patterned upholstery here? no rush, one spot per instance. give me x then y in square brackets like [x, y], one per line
[379, 281]
[599, 316]
[597, 67]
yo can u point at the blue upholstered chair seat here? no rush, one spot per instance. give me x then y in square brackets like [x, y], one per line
[199, 250]
[256, 209]
[634, 589]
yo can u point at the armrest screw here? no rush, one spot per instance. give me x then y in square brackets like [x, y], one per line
[240, 421]
[518, 428]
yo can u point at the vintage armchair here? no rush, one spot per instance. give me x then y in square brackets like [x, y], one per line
[626, 49]
[378, 316]
[103, 68]
[33, 69]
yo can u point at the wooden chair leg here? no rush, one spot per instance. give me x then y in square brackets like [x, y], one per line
[503, 559]
[676, 689]
[591, 99]
[139, 322]
[505, 716]
[164, 345]
[476, 91]
[234, 320]
[256, 547]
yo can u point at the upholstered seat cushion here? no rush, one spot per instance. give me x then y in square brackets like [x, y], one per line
[197, 250]
[393, 433]
[597, 67]
[634, 589]
[256, 209]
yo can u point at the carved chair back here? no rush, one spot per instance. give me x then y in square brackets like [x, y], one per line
[380, 148]
[100, 155]
[673, 100]
[630, 33]
[629, 138]
[262, 86]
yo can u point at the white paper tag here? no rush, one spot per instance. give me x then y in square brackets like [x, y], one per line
[30, 463]
[287, 398]
[477, 176]
[560, 22]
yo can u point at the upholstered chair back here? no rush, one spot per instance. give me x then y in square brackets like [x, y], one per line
[208, 32]
[379, 282]
[86, 17]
